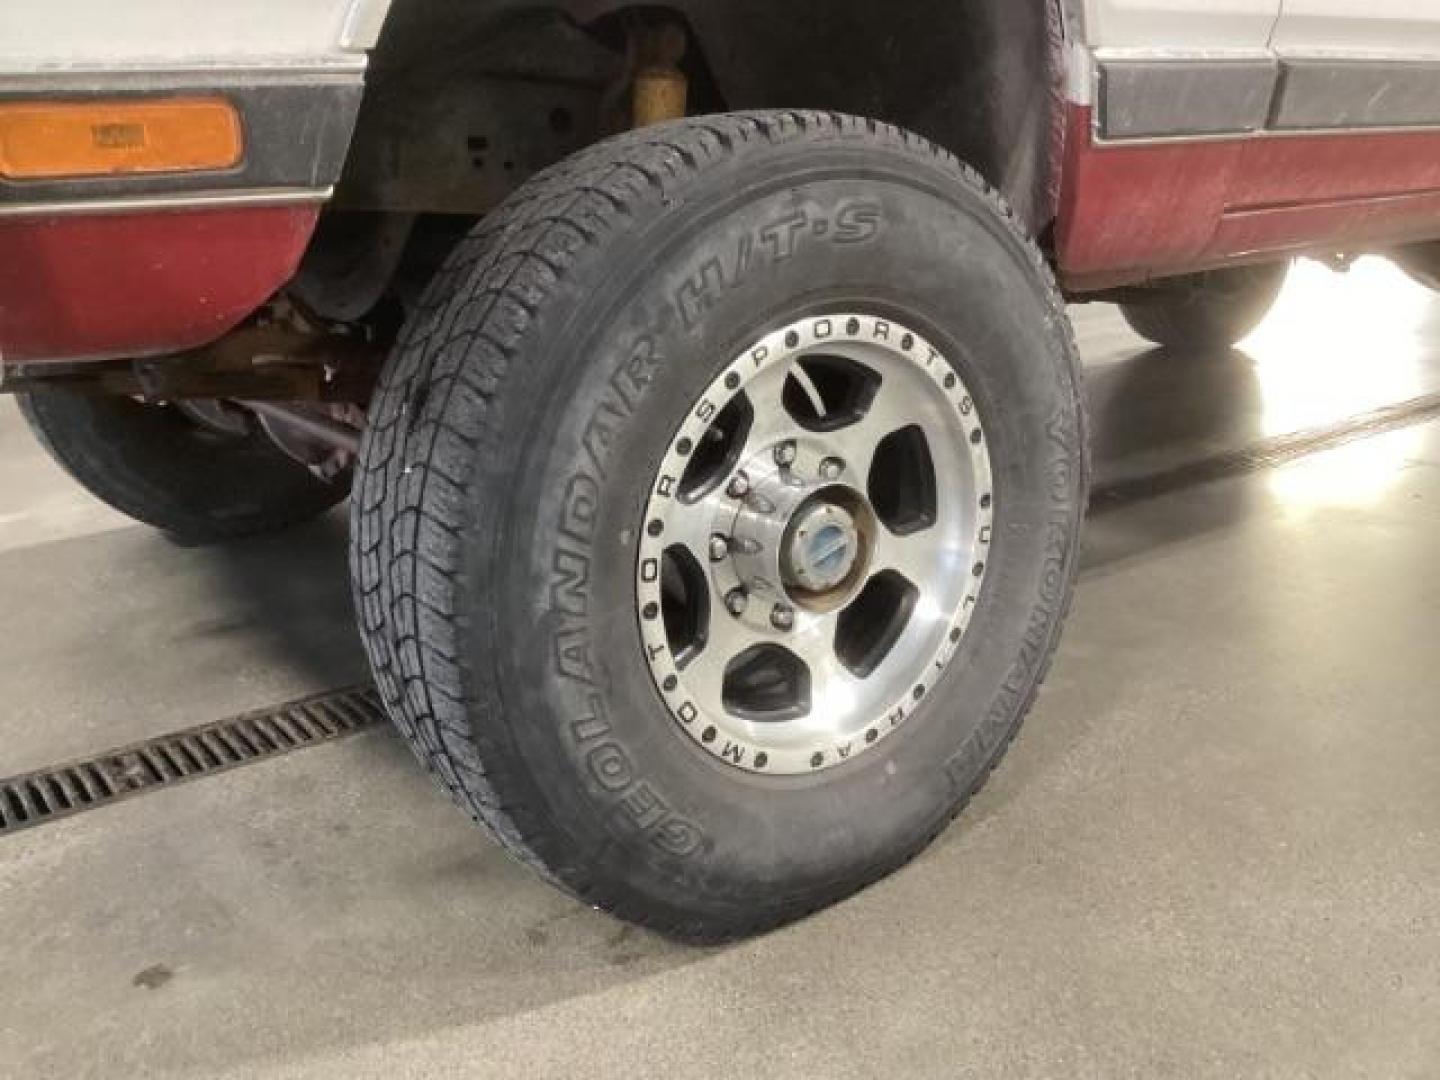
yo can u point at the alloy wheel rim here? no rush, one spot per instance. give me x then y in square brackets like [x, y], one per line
[815, 541]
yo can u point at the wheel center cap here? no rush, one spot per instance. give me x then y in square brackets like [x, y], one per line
[821, 547]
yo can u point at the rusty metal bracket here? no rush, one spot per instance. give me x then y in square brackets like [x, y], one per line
[271, 359]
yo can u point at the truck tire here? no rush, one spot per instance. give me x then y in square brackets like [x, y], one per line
[156, 465]
[1213, 310]
[689, 404]
[1421, 262]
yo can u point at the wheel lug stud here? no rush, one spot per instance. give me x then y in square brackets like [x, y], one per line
[739, 486]
[785, 454]
[831, 468]
[782, 617]
[736, 601]
[719, 547]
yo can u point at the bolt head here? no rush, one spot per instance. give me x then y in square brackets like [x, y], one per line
[719, 547]
[831, 468]
[736, 601]
[739, 486]
[782, 617]
[785, 453]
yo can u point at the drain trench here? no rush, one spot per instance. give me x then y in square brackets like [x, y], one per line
[46, 795]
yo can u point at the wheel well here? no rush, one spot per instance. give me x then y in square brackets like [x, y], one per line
[463, 105]
[982, 78]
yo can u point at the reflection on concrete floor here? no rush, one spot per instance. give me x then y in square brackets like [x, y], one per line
[1334, 346]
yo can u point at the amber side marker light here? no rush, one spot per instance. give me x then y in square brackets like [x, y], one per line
[62, 140]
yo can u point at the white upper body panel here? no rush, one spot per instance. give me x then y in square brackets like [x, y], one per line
[68, 34]
[1188, 26]
[60, 34]
[1358, 28]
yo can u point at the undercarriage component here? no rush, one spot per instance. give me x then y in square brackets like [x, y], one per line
[303, 427]
[287, 379]
[324, 438]
[660, 88]
[221, 417]
[282, 355]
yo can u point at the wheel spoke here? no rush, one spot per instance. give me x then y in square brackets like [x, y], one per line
[725, 639]
[919, 558]
[834, 688]
[856, 443]
[813, 637]
[770, 423]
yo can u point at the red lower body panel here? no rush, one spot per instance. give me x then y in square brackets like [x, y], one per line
[1133, 211]
[92, 286]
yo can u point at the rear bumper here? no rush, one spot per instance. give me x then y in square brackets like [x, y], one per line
[129, 265]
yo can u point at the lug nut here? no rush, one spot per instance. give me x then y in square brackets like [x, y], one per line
[719, 548]
[739, 486]
[831, 468]
[735, 601]
[785, 454]
[782, 617]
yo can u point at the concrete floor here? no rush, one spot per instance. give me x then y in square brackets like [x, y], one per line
[1214, 852]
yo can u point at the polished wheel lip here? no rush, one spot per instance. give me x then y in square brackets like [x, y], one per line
[904, 355]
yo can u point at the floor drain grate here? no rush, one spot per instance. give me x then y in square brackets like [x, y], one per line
[50, 794]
